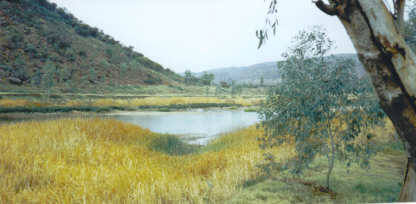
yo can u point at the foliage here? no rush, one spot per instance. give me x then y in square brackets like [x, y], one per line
[236, 89]
[270, 24]
[171, 145]
[49, 72]
[207, 78]
[321, 106]
[190, 79]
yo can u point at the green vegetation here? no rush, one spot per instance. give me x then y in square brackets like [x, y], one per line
[328, 123]
[355, 185]
[172, 145]
[164, 104]
[47, 47]
[322, 138]
[65, 109]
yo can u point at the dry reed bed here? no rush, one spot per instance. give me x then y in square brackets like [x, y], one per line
[97, 160]
[150, 101]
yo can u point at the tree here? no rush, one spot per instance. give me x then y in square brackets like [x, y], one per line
[326, 123]
[235, 88]
[218, 90]
[190, 79]
[48, 77]
[377, 35]
[207, 79]
[261, 81]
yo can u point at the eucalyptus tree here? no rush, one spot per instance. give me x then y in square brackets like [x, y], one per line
[49, 73]
[318, 106]
[377, 34]
[207, 78]
[189, 78]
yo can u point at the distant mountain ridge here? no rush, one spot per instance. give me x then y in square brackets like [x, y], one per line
[247, 74]
[41, 42]
[268, 70]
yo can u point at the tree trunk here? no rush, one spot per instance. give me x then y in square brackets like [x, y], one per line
[331, 159]
[408, 190]
[391, 65]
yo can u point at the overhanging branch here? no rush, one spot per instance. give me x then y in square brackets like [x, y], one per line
[339, 8]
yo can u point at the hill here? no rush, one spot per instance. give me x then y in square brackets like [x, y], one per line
[42, 45]
[246, 74]
[268, 70]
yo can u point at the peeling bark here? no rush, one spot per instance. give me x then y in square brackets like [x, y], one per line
[382, 50]
[408, 191]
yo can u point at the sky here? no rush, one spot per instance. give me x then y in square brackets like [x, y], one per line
[199, 35]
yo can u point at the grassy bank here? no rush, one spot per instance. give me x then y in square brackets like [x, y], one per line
[98, 160]
[95, 160]
[106, 105]
[127, 91]
[380, 183]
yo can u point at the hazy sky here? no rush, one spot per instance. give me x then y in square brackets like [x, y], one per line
[203, 34]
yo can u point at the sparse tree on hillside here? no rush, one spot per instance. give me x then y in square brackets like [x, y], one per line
[49, 72]
[36, 78]
[92, 76]
[123, 70]
[377, 35]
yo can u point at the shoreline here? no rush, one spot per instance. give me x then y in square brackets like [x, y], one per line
[106, 109]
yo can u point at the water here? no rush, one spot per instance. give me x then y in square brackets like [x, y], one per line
[195, 127]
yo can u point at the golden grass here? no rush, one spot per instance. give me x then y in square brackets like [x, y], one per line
[165, 101]
[13, 103]
[97, 160]
[149, 101]
[10, 103]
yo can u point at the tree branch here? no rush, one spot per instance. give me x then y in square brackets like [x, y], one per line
[326, 8]
[399, 7]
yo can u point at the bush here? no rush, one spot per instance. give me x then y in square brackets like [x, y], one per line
[82, 53]
[87, 31]
[31, 50]
[15, 41]
[151, 80]
[171, 145]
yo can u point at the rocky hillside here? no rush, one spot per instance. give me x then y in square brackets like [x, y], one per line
[268, 71]
[42, 45]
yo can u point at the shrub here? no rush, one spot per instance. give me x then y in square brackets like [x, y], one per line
[171, 145]
[60, 40]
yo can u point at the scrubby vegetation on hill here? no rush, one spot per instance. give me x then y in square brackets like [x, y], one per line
[44, 46]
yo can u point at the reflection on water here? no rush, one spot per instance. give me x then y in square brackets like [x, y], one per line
[198, 125]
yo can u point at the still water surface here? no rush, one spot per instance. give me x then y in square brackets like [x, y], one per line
[196, 127]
